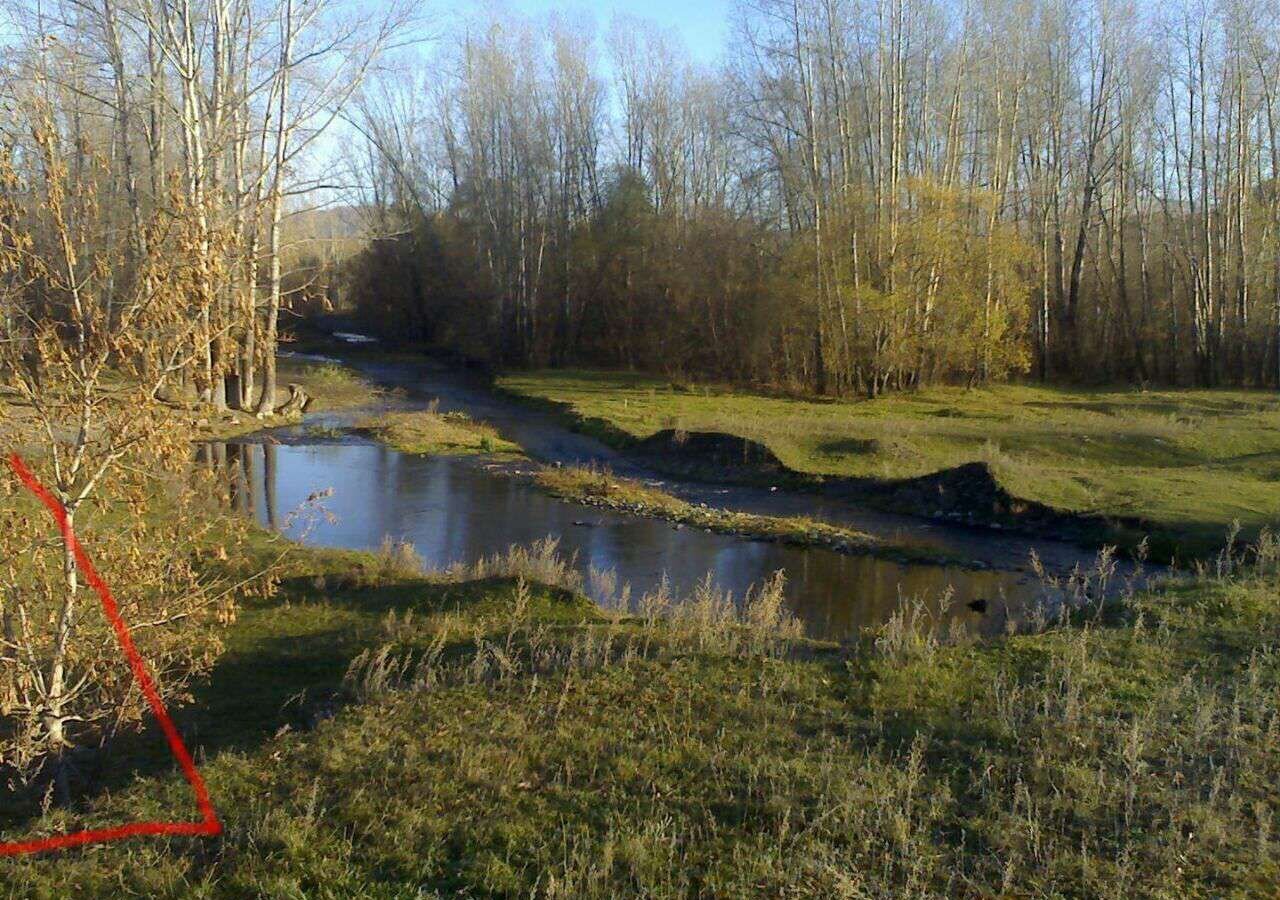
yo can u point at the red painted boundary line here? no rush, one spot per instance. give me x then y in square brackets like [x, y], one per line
[209, 824]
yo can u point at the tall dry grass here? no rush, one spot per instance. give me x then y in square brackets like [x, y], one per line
[452, 647]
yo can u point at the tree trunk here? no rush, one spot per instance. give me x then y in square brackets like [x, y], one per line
[55, 732]
[266, 403]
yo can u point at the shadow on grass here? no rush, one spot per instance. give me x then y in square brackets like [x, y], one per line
[850, 447]
[282, 656]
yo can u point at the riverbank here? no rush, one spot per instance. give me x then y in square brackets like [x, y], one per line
[437, 410]
[969, 495]
[433, 433]
[330, 385]
[481, 733]
[603, 489]
[1176, 467]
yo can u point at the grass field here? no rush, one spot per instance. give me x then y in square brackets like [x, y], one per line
[376, 731]
[1191, 461]
[499, 738]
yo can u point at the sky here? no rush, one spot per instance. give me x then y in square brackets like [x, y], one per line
[703, 24]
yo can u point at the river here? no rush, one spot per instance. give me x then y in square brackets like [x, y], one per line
[458, 509]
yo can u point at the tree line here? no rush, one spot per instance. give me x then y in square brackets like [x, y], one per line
[862, 195]
[153, 114]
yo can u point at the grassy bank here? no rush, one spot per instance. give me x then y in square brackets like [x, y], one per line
[331, 387]
[601, 488]
[431, 432]
[1191, 462]
[374, 732]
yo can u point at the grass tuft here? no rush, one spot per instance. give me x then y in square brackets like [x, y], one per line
[432, 432]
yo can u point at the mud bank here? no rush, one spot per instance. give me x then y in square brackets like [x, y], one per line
[969, 494]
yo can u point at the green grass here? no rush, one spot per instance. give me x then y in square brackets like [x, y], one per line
[333, 386]
[430, 432]
[496, 738]
[376, 731]
[1188, 461]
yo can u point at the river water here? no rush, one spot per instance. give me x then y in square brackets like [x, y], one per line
[460, 509]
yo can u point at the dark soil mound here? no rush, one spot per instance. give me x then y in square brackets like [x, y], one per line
[969, 492]
[711, 455]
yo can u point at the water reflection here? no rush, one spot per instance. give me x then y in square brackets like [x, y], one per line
[248, 470]
[453, 510]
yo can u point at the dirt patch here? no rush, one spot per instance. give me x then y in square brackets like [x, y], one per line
[970, 493]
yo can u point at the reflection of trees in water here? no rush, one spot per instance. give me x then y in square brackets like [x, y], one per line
[248, 471]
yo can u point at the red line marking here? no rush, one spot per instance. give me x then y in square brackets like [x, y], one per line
[209, 824]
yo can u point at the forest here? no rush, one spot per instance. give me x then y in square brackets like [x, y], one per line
[856, 197]
[859, 197]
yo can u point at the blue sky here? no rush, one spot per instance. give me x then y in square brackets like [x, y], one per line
[703, 24]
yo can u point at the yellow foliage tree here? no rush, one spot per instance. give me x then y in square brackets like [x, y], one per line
[90, 334]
